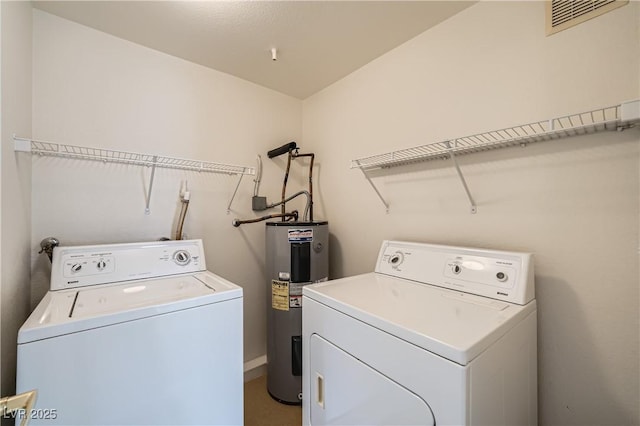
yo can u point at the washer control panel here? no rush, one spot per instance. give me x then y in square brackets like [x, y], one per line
[500, 275]
[81, 266]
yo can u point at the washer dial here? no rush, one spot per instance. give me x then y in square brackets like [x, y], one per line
[182, 257]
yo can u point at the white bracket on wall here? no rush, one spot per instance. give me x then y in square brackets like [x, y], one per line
[147, 209]
[618, 117]
[105, 155]
[364, 172]
[474, 209]
[234, 193]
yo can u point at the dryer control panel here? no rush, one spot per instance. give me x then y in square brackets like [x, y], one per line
[496, 274]
[81, 266]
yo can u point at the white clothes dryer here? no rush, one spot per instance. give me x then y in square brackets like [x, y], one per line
[436, 335]
[135, 334]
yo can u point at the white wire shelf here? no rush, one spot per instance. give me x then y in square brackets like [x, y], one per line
[111, 156]
[617, 117]
[609, 118]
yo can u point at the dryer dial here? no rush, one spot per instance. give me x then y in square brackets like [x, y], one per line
[502, 277]
[396, 259]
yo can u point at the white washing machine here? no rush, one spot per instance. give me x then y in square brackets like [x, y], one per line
[135, 334]
[436, 335]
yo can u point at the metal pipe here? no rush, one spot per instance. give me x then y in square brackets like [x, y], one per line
[293, 215]
[313, 156]
[306, 210]
[284, 184]
[47, 245]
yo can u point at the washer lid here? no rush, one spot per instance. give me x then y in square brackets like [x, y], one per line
[457, 326]
[115, 298]
[74, 310]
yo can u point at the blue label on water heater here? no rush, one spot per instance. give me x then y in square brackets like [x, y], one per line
[300, 235]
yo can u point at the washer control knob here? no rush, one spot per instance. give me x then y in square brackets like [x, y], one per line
[456, 269]
[101, 265]
[502, 277]
[182, 257]
[76, 267]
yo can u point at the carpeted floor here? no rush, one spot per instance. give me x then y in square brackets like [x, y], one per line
[262, 410]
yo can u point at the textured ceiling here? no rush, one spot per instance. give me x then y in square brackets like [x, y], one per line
[317, 42]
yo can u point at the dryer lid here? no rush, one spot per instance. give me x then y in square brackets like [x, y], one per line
[455, 325]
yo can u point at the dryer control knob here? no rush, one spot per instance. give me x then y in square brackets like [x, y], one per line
[456, 269]
[182, 257]
[396, 259]
[76, 267]
[501, 276]
[101, 265]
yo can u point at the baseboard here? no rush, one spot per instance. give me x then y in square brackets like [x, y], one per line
[255, 368]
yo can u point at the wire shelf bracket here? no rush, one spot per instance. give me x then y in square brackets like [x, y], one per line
[613, 118]
[123, 157]
[474, 208]
[386, 204]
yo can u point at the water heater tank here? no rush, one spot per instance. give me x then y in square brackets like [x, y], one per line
[297, 254]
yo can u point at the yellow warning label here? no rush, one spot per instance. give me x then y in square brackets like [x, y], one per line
[280, 295]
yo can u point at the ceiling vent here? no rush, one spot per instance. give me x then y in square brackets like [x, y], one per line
[563, 14]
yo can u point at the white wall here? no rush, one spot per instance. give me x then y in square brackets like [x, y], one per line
[96, 90]
[15, 190]
[574, 202]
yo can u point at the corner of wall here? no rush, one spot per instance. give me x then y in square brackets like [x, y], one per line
[15, 190]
